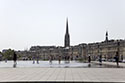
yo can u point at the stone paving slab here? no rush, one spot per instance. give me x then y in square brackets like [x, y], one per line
[62, 75]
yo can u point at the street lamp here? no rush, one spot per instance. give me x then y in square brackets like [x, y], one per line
[72, 54]
[44, 54]
[118, 44]
[117, 53]
[66, 52]
[100, 56]
[51, 57]
[33, 56]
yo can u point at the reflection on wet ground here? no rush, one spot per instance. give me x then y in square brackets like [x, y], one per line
[55, 64]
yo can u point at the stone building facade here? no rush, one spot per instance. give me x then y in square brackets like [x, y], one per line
[107, 49]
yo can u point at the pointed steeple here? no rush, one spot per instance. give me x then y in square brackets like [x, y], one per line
[67, 30]
[106, 33]
[106, 39]
[67, 36]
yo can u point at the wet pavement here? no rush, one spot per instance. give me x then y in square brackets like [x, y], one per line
[55, 64]
[74, 71]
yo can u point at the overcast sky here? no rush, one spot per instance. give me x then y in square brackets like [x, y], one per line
[26, 23]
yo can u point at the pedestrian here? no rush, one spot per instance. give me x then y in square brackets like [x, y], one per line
[5, 60]
[59, 59]
[14, 59]
[50, 60]
[100, 59]
[89, 59]
[33, 59]
[117, 58]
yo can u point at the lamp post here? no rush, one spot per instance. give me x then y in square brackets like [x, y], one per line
[87, 52]
[118, 47]
[117, 54]
[33, 56]
[67, 55]
[43, 54]
[37, 59]
[51, 57]
[72, 54]
[100, 56]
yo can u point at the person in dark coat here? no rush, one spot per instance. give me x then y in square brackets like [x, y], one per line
[100, 59]
[14, 59]
[117, 58]
[89, 59]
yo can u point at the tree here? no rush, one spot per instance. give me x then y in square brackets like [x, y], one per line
[8, 54]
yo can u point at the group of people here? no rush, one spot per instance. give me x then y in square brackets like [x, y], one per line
[100, 59]
[37, 60]
[51, 58]
[59, 59]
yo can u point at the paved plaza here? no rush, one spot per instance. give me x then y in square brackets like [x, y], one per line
[62, 75]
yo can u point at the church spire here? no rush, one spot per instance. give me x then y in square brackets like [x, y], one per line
[106, 39]
[67, 30]
[67, 36]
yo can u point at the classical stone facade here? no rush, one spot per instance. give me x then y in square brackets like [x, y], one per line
[107, 49]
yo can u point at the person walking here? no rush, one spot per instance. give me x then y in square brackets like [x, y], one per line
[117, 58]
[14, 59]
[89, 59]
[59, 59]
[100, 59]
[33, 59]
[50, 59]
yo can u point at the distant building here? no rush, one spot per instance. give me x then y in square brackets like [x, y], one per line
[106, 48]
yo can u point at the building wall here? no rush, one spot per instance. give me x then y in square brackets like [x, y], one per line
[106, 49]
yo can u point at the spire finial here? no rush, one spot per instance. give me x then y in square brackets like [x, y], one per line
[67, 31]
